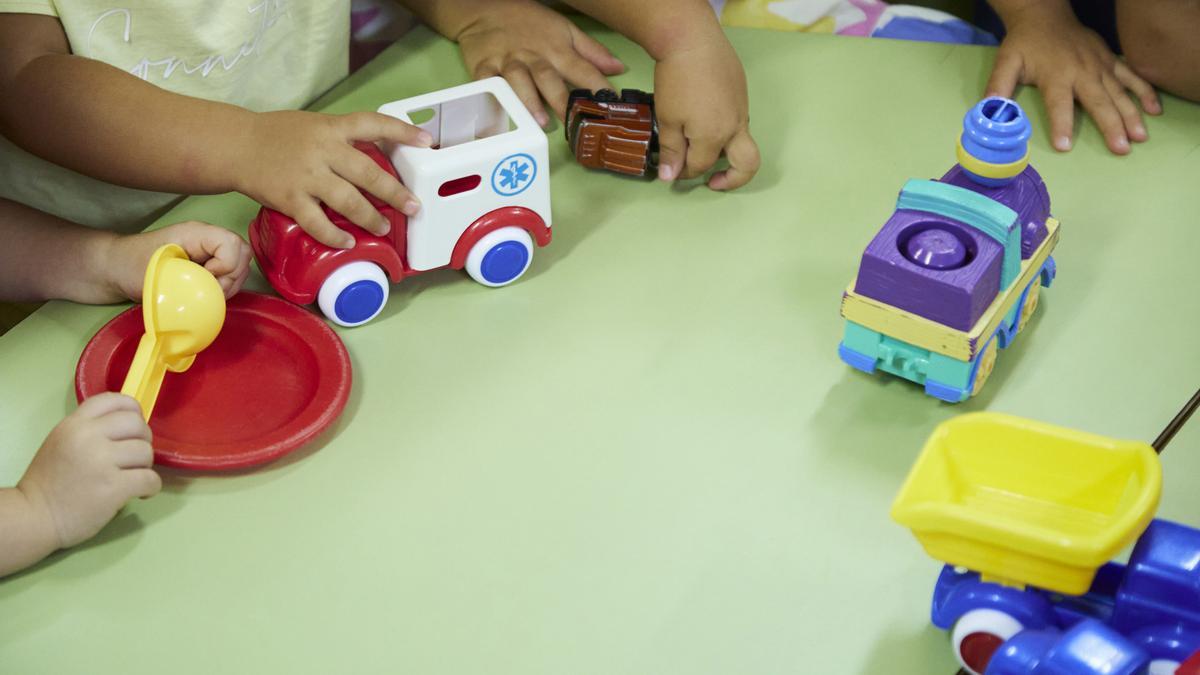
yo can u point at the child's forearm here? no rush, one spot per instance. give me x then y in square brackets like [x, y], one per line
[35, 247]
[673, 25]
[25, 536]
[95, 119]
[103, 122]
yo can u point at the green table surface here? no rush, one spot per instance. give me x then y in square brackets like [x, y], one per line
[644, 457]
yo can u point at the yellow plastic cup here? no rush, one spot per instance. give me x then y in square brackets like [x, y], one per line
[183, 309]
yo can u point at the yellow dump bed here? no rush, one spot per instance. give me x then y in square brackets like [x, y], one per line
[1022, 502]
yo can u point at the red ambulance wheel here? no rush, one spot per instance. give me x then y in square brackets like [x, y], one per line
[354, 294]
[500, 257]
[978, 635]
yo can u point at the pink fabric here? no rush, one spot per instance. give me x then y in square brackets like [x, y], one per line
[873, 9]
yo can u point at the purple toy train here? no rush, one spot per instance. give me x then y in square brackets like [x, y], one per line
[954, 274]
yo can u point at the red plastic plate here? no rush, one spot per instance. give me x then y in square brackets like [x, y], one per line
[274, 379]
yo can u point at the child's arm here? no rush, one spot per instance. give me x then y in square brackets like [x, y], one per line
[103, 122]
[90, 465]
[44, 257]
[536, 49]
[700, 92]
[1046, 46]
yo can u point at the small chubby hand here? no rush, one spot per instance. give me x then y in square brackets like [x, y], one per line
[539, 51]
[295, 160]
[1046, 46]
[96, 460]
[703, 112]
[220, 251]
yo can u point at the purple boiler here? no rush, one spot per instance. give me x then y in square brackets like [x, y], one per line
[942, 269]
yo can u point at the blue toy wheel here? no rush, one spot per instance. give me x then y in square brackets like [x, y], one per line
[354, 294]
[504, 262]
[500, 257]
[359, 301]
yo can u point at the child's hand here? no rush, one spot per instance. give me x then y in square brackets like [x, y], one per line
[703, 110]
[295, 160]
[1047, 47]
[220, 251]
[538, 51]
[91, 464]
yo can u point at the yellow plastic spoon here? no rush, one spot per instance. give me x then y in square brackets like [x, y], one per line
[183, 309]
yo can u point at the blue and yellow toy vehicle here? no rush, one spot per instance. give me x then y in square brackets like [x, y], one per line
[954, 275]
[1026, 517]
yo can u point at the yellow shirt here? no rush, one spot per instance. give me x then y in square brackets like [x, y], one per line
[259, 54]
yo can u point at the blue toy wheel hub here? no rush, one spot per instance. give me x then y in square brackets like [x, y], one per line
[359, 301]
[504, 262]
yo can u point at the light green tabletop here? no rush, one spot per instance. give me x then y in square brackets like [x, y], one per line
[644, 457]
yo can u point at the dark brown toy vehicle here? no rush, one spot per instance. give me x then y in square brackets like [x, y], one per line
[618, 134]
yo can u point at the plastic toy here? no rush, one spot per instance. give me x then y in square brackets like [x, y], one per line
[1025, 516]
[183, 310]
[484, 189]
[275, 377]
[1086, 648]
[618, 134]
[954, 275]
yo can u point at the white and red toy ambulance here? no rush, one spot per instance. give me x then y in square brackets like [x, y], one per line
[484, 188]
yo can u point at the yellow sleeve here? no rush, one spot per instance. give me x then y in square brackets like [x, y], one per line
[45, 7]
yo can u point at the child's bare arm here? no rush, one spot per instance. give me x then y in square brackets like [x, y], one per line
[1046, 46]
[44, 257]
[536, 49]
[90, 465]
[103, 122]
[699, 86]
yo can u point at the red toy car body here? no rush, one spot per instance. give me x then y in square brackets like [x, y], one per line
[297, 265]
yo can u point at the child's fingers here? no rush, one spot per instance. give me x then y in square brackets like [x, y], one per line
[595, 53]
[362, 171]
[241, 273]
[702, 153]
[108, 402]
[518, 77]
[1141, 88]
[1100, 106]
[143, 483]
[371, 126]
[231, 277]
[217, 248]
[313, 220]
[343, 197]
[1131, 117]
[672, 148]
[133, 454]
[239, 280]
[582, 73]
[1060, 106]
[125, 425]
[1005, 74]
[744, 160]
[550, 83]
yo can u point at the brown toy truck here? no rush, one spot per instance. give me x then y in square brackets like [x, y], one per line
[618, 134]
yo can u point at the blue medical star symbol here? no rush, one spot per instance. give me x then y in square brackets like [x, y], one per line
[516, 173]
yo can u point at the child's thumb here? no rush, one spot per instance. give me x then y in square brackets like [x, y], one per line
[672, 150]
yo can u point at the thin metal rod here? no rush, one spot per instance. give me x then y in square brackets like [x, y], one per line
[1176, 424]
